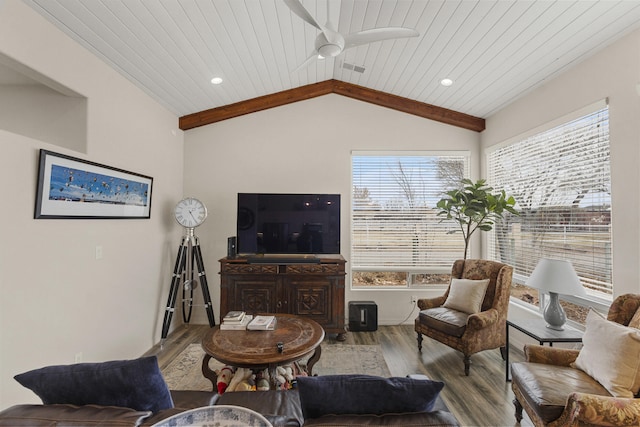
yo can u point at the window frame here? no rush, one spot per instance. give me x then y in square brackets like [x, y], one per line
[597, 300]
[410, 271]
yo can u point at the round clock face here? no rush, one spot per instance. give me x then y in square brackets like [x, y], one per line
[190, 212]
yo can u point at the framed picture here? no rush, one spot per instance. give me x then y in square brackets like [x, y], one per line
[69, 187]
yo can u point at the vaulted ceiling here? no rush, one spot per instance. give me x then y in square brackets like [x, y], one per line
[494, 51]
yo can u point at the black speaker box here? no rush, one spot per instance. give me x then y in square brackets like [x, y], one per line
[363, 316]
[231, 247]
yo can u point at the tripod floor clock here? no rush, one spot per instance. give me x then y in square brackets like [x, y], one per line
[189, 213]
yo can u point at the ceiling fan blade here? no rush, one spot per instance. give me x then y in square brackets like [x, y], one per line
[297, 8]
[378, 34]
[309, 60]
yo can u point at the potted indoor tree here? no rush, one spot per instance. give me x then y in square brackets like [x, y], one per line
[474, 206]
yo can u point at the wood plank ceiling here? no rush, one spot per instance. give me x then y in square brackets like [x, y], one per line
[494, 51]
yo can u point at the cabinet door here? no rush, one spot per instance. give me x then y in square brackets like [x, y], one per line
[310, 296]
[253, 294]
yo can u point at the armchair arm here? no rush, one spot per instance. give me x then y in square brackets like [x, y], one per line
[591, 409]
[483, 319]
[425, 303]
[550, 355]
[623, 308]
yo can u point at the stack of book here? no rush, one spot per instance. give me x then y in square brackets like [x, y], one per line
[262, 323]
[235, 321]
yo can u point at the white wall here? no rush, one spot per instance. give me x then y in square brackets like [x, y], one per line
[57, 300]
[60, 119]
[302, 148]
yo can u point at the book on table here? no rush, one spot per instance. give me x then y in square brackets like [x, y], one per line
[262, 323]
[236, 326]
[234, 317]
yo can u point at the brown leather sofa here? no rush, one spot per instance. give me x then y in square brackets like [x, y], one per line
[38, 415]
[554, 393]
[281, 408]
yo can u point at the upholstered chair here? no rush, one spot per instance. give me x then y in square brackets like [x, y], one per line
[554, 392]
[449, 318]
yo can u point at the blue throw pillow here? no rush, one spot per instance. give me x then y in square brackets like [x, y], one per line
[137, 384]
[365, 394]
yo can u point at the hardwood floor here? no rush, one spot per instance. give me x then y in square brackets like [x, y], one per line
[483, 398]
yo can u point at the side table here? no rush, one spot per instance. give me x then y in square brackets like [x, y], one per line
[537, 329]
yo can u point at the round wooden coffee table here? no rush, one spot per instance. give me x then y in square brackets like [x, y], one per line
[300, 337]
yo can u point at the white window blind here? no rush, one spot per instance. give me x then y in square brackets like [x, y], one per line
[394, 222]
[562, 182]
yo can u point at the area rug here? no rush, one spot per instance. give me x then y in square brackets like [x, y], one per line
[185, 371]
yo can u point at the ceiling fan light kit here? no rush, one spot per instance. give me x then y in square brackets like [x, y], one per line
[330, 43]
[328, 47]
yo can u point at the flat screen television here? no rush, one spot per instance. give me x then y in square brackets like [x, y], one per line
[288, 223]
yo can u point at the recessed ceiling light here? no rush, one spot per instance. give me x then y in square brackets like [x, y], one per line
[446, 82]
[216, 80]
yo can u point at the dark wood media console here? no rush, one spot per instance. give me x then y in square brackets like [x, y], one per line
[312, 287]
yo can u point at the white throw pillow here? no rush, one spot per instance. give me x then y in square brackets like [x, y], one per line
[611, 355]
[466, 295]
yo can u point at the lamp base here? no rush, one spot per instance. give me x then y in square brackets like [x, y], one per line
[554, 314]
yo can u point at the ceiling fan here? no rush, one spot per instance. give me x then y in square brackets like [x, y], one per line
[330, 43]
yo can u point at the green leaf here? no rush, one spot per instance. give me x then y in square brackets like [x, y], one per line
[475, 205]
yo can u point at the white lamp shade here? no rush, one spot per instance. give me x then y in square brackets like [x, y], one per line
[554, 275]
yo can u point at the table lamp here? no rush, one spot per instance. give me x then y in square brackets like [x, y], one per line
[555, 277]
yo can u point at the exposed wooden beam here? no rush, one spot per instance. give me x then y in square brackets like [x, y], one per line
[360, 93]
[409, 106]
[278, 99]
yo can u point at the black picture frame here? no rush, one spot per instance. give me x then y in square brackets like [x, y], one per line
[73, 188]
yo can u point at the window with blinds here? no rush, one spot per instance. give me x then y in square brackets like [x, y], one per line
[394, 223]
[562, 182]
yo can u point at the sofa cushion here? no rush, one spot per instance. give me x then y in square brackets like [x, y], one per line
[446, 320]
[422, 419]
[71, 415]
[466, 295]
[611, 355]
[546, 387]
[365, 394]
[136, 384]
[190, 399]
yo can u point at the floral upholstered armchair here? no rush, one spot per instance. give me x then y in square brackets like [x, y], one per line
[471, 316]
[555, 392]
